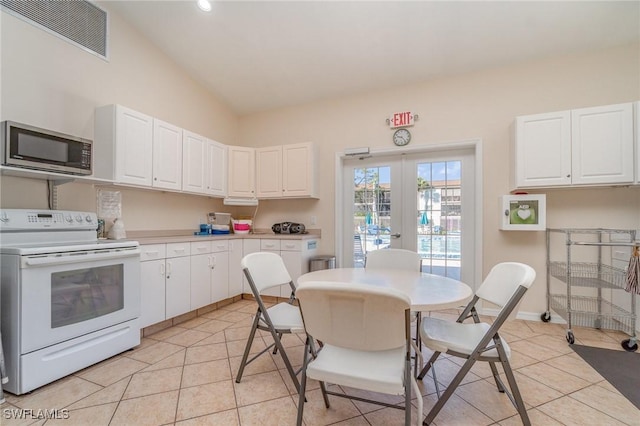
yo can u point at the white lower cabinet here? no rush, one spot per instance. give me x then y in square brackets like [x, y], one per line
[181, 277]
[236, 252]
[152, 276]
[219, 283]
[209, 272]
[200, 274]
[178, 283]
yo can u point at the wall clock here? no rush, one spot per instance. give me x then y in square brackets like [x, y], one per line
[401, 137]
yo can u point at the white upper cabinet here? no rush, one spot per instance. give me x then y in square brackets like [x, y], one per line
[167, 155]
[269, 172]
[204, 168]
[543, 150]
[194, 157]
[298, 170]
[216, 169]
[588, 146]
[241, 172]
[286, 171]
[123, 142]
[602, 144]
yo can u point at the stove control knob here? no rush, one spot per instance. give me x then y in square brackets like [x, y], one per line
[69, 218]
[88, 218]
[78, 218]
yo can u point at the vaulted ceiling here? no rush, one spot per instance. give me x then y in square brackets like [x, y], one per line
[259, 55]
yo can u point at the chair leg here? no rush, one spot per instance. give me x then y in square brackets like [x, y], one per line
[494, 371]
[428, 365]
[275, 348]
[407, 392]
[303, 383]
[414, 383]
[243, 363]
[285, 358]
[449, 391]
[522, 410]
[325, 396]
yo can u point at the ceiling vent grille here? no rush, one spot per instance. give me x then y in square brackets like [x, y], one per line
[77, 21]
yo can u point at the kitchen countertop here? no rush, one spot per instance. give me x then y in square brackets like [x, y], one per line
[181, 236]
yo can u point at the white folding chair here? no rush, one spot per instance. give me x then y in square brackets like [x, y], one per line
[394, 259]
[504, 286]
[366, 338]
[265, 270]
[398, 259]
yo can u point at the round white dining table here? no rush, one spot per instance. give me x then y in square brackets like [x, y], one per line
[427, 292]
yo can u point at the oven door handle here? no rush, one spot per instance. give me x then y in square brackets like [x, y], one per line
[80, 257]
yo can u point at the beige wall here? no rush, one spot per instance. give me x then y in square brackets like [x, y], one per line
[478, 105]
[50, 83]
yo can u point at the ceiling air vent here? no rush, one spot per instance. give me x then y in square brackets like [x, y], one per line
[77, 21]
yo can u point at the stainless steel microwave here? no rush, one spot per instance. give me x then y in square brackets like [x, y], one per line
[34, 148]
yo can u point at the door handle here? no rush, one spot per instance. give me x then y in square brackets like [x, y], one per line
[398, 235]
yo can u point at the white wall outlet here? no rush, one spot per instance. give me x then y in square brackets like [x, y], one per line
[313, 220]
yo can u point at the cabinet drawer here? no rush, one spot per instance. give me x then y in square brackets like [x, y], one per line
[178, 249]
[152, 252]
[270, 245]
[219, 246]
[291, 245]
[201, 247]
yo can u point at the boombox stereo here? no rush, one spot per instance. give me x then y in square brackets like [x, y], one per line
[288, 228]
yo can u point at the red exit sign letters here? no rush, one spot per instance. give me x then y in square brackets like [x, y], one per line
[401, 119]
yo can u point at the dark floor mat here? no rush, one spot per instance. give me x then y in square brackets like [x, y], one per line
[621, 369]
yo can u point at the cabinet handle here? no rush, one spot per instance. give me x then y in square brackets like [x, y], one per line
[162, 269]
[168, 269]
[213, 262]
[150, 253]
[289, 246]
[201, 248]
[568, 175]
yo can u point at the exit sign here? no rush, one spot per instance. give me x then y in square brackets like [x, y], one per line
[401, 119]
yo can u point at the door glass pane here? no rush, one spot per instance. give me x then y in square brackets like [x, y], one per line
[439, 217]
[82, 294]
[372, 211]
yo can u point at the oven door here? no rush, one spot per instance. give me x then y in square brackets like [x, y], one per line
[67, 295]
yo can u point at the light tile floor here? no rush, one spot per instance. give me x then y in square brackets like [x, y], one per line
[185, 375]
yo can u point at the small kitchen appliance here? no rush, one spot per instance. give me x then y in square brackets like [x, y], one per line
[34, 148]
[68, 299]
[288, 228]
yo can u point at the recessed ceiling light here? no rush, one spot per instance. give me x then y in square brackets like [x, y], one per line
[204, 5]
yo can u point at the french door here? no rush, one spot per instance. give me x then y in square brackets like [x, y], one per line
[423, 202]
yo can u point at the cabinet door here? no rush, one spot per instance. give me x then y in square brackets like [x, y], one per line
[269, 172]
[200, 281]
[241, 181]
[219, 276]
[216, 169]
[194, 151]
[134, 145]
[235, 272]
[167, 155]
[152, 293]
[543, 150]
[178, 283]
[602, 148]
[298, 170]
